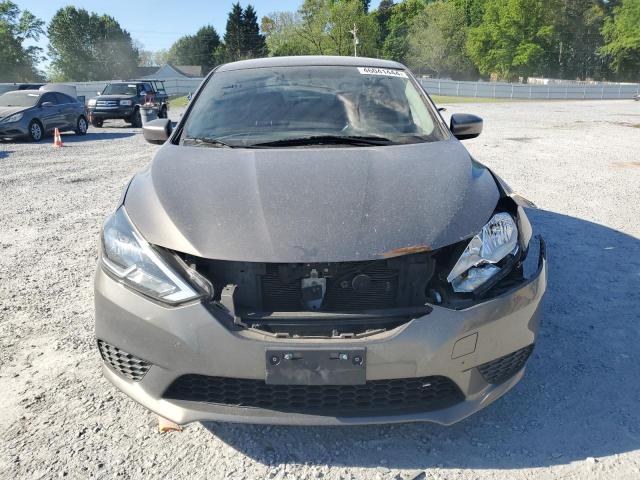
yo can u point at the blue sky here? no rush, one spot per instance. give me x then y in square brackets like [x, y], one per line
[159, 26]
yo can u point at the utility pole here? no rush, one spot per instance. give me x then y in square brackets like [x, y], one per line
[354, 32]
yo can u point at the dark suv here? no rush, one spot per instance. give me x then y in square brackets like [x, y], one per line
[122, 100]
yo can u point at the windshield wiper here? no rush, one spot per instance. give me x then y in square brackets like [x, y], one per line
[208, 141]
[325, 140]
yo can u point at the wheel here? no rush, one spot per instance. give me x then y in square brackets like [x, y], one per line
[136, 119]
[81, 126]
[36, 131]
[163, 112]
[97, 122]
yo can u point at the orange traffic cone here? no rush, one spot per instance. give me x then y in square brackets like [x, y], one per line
[57, 141]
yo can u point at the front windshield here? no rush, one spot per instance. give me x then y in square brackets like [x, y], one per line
[120, 89]
[19, 99]
[261, 106]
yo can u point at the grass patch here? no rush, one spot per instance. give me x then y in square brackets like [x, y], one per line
[178, 101]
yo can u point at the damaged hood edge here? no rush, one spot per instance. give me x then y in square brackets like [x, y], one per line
[313, 204]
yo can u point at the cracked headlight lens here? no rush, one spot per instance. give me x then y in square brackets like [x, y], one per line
[133, 261]
[498, 238]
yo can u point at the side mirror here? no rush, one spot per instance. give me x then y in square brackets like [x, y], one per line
[157, 131]
[47, 104]
[99, 92]
[465, 126]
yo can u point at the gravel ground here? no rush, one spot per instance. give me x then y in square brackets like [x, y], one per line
[575, 414]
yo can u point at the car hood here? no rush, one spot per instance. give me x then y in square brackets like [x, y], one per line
[8, 111]
[311, 204]
[115, 97]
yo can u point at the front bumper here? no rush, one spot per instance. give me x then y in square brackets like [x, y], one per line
[190, 340]
[14, 130]
[111, 113]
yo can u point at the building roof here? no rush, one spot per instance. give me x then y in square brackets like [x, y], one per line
[189, 70]
[146, 71]
[168, 71]
[318, 60]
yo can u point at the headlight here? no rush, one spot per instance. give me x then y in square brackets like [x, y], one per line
[498, 238]
[126, 103]
[92, 102]
[132, 260]
[16, 117]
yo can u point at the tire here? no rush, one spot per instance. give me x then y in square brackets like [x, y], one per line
[97, 122]
[36, 131]
[163, 112]
[81, 126]
[136, 119]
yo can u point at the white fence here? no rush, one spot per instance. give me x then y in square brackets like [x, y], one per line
[174, 86]
[515, 90]
[182, 86]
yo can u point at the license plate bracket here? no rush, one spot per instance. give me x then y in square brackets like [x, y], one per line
[313, 366]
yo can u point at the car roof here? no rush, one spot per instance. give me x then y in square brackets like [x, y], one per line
[308, 61]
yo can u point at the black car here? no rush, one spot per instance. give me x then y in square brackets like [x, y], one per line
[122, 100]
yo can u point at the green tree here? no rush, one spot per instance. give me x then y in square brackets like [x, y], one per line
[86, 46]
[325, 28]
[383, 14]
[577, 25]
[365, 5]
[18, 62]
[233, 36]
[622, 39]
[280, 29]
[472, 10]
[512, 39]
[396, 43]
[253, 41]
[437, 38]
[198, 49]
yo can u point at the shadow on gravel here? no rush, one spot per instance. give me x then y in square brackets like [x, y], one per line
[93, 136]
[578, 399]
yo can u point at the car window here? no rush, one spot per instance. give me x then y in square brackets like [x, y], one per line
[50, 97]
[62, 98]
[120, 89]
[253, 106]
[19, 99]
[148, 88]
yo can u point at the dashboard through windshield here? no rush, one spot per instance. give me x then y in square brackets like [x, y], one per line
[293, 106]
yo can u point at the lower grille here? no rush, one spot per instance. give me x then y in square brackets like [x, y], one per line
[122, 362]
[376, 397]
[503, 368]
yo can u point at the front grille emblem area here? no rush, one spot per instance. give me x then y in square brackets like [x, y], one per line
[313, 290]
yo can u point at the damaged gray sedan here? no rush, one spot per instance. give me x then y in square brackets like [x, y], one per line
[312, 244]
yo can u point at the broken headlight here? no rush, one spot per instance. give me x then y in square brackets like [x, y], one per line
[131, 259]
[476, 265]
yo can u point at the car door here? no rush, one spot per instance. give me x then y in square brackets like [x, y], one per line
[68, 116]
[50, 115]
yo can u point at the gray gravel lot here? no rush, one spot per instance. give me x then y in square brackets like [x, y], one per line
[575, 414]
